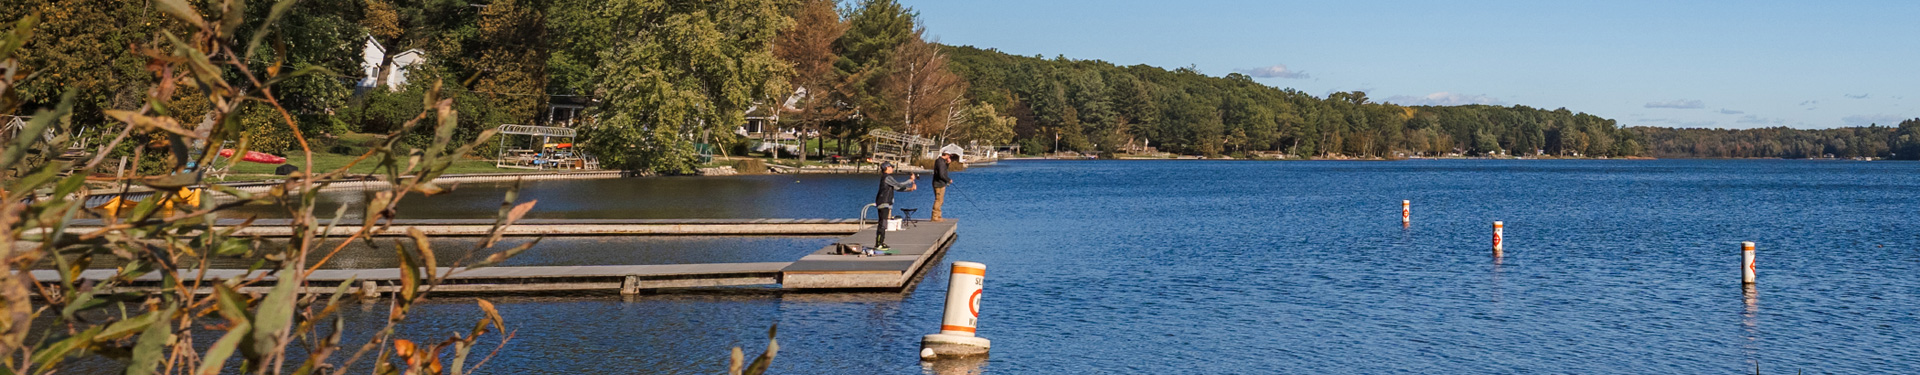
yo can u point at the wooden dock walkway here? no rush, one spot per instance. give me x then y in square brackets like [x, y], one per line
[917, 246]
[550, 227]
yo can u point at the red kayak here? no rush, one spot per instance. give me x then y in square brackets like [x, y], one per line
[255, 156]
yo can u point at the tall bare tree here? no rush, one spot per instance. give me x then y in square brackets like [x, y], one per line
[925, 96]
[822, 93]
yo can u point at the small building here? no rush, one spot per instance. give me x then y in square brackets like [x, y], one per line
[954, 149]
[567, 110]
[370, 57]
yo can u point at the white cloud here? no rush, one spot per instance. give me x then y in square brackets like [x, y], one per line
[1275, 71]
[1678, 104]
[1852, 96]
[1444, 98]
[1864, 120]
[1725, 111]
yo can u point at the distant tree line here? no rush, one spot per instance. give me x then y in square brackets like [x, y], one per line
[1902, 142]
[1062, 104]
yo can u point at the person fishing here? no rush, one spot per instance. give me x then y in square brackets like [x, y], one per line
[940, 182]
[885, 200]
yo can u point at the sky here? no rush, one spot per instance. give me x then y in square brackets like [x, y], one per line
[1700, 64]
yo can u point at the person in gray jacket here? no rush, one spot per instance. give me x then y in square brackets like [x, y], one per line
[884, 199]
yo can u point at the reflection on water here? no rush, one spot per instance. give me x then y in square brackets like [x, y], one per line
[1750, 321]
[954, 366]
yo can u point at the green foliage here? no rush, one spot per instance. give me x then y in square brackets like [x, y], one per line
[981, 122]
[383, 111]
[577, 33]
[1902, 142]
[80, 46]
[262, 133]
[875, 29]
[681, 73]
[1091, 105]
[512, 71]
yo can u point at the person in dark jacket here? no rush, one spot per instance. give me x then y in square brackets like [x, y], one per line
[940, 182]
[884, 199]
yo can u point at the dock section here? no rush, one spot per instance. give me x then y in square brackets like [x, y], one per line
[532, 279]
[916, 248]
[549, 227]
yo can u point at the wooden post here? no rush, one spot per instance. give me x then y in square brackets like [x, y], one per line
[631, 286]
[1746, 262]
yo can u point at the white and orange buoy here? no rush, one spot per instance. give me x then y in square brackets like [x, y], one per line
[1499, 237]
[1746, 262]
[1406, 213]
[957, 337]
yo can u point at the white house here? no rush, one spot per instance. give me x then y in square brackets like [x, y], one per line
[370, 65]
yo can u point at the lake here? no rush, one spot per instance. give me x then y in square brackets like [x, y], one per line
[1220, 267]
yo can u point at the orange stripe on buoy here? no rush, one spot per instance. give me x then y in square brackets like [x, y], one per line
[945, 327]
[970, 271]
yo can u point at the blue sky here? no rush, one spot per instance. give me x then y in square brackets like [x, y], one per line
[1720, 64]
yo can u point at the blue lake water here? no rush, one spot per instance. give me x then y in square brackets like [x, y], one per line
[1221, 267]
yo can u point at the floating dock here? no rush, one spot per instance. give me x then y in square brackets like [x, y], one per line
[917, 247]
[547, 227]
[914, 246]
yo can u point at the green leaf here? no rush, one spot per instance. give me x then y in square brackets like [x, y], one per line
[409, 273]
[216, 356]
[150, 349]
[146, 207]
[232, 305]
[460, 349]
[275, 314]
[26, 185]
[70, 185]
[426, 252]
[231, 191]
[22, 31]
[127, 327]
[231, 247]
[89, 301]
[51, 355]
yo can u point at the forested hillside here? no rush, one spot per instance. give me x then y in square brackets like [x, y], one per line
[1901, 142]
[1092, 105]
